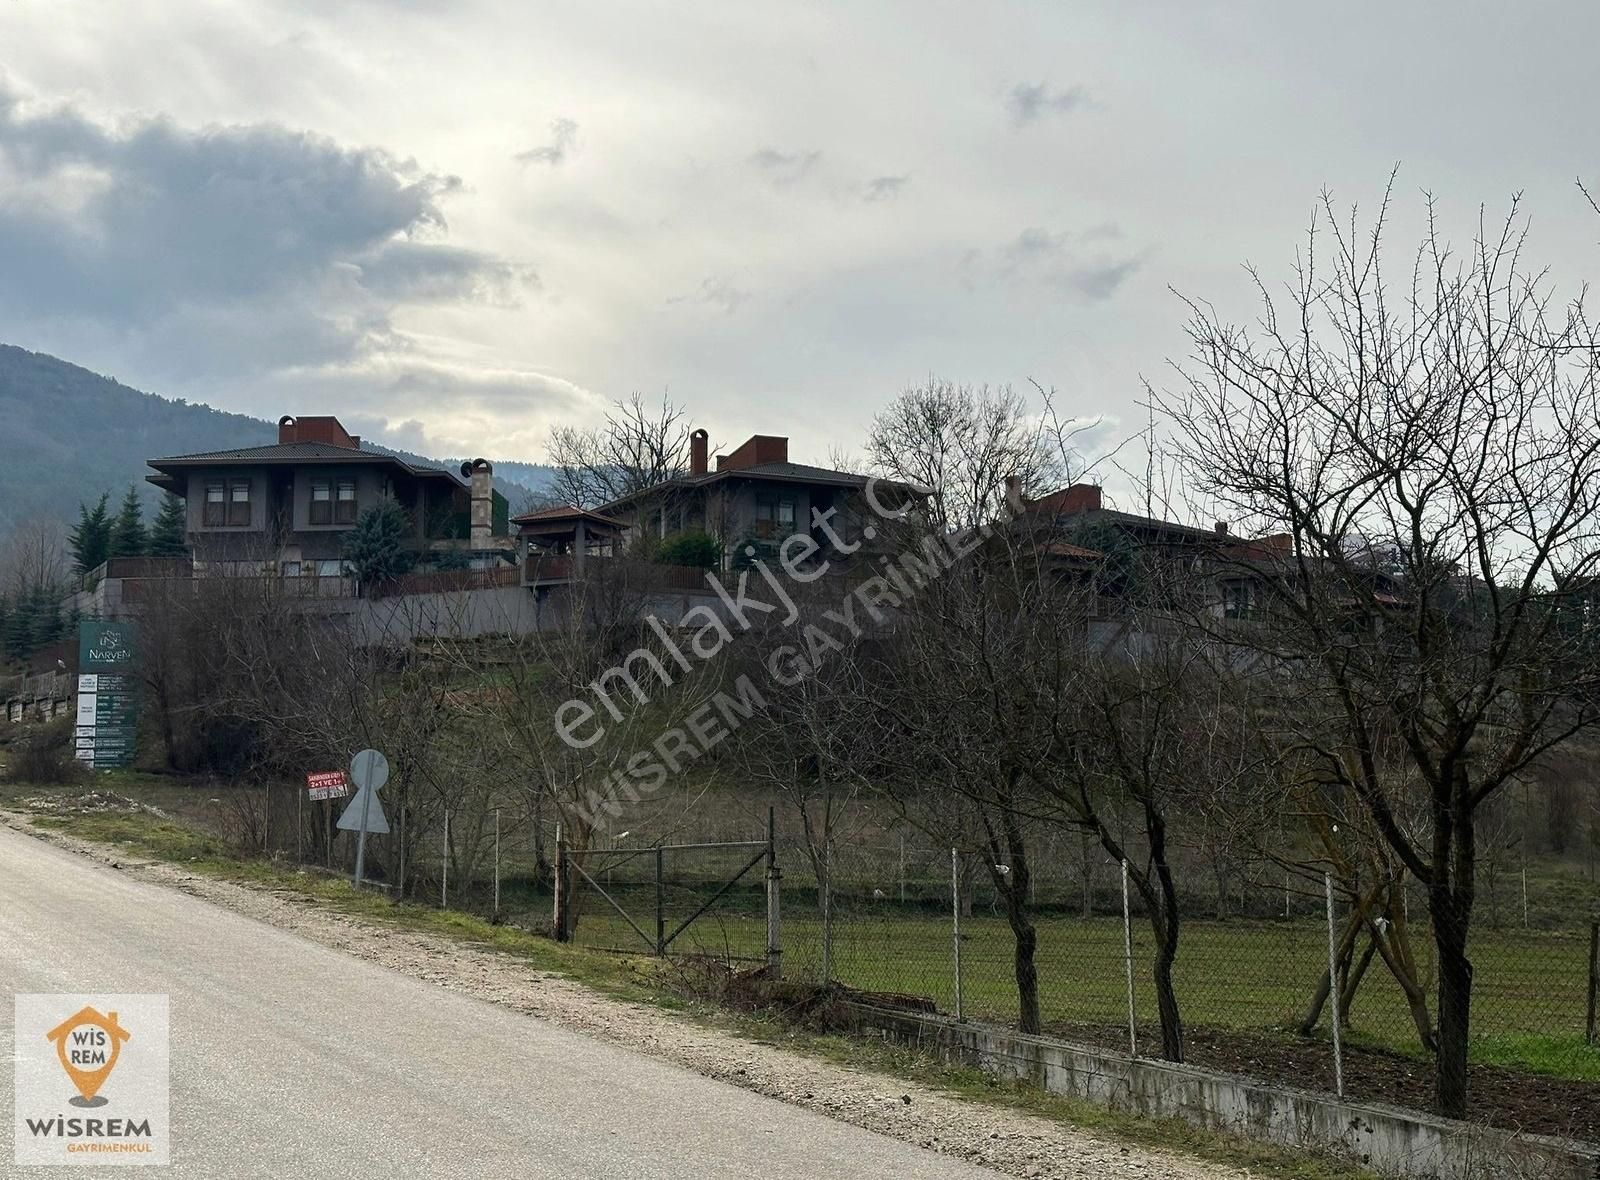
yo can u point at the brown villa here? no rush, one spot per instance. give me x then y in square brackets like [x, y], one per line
[752, 500]
[286, 508]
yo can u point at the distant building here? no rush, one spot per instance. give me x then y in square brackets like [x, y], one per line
[286, 508]
[750, 502]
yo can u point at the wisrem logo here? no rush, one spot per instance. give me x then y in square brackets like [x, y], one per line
[113, 1051]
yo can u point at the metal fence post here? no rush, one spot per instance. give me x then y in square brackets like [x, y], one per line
[1333, 990]
[774, 915]
[497, 864]
[827, 911]
[902, 869]
[558, 912]
[444, 865]
[1594, 979]
[1127, 959]
[955, 921]
[661, 912]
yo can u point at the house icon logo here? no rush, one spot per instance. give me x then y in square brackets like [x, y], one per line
[88, 1045]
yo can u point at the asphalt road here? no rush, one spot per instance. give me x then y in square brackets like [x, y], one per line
[289, 1059]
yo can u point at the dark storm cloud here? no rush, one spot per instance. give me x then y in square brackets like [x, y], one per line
[262, 236]
[1029, 102]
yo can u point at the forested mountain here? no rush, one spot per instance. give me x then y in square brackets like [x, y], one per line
[67, 434]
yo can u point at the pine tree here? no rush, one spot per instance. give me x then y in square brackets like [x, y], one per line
[20, 637]
[90, 541]
[376, 547]
[168, 528]
[46, 623]
[128, 537]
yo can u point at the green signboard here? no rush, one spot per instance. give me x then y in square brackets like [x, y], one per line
[107, 730]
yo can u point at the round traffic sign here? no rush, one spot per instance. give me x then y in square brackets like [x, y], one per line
[369, 769]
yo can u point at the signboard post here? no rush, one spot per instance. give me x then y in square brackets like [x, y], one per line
[327, 785]
[107, 726]
[369, 770]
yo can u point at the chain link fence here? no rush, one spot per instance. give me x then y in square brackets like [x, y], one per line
[1250, 976]
[881, 909]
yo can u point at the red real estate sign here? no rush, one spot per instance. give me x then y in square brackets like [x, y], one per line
[327, 784]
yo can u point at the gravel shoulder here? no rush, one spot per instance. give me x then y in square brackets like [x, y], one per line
[1013, 1142]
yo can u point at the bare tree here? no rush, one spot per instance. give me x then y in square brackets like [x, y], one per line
[637, 446]
[963, 699]
[962, 443]
[34, 557]
[598, 657]
[1432, 452]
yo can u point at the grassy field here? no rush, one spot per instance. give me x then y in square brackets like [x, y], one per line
[1529, 1002]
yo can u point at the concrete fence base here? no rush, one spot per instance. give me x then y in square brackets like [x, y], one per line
[1389, 1140]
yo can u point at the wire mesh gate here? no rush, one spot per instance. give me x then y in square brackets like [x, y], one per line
[633, 884]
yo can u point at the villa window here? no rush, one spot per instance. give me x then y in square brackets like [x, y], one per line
[216, 510]
[239, 503]
[345, 504]
[321, 511]
[1238, 600]
[774, 516]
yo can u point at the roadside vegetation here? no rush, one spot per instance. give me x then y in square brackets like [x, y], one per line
[137, 816]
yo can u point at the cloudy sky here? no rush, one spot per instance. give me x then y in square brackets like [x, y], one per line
[456, 223]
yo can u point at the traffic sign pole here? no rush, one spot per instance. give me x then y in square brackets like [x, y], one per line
[369, 770]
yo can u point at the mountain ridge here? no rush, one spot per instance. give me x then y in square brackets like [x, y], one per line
[67, 434]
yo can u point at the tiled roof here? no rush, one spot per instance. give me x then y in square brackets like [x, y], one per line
[565, 512]
[797, 472]
[303, 452]
[800, 471]
[285, 451]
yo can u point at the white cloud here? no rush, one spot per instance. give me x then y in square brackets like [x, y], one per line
[780, 215]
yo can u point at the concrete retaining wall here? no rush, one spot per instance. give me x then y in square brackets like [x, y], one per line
[1389, 1140]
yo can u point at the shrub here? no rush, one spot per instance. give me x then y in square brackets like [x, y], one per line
[42, 753]
[696, 549]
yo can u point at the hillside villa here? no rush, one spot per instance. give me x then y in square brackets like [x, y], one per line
[285, 509]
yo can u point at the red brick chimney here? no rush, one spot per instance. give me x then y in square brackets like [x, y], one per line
[320, 428]
[697, 452]
[757, 449]
[1079, 497]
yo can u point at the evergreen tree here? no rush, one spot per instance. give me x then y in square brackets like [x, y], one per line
[376, 546]
[168, 528]
[45, 627]
[128, 537]
[90, 541]
[20, 640]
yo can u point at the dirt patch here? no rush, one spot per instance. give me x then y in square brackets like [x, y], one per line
[1509, 1099]
[88, 802]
